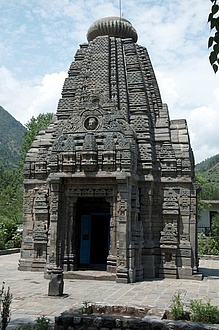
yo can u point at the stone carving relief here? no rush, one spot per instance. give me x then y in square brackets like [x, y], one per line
[90, 142]
[170, 203]
[109, 143]
[121, 262]
[122, 141]
[140, 123]
[110, 124]
[145, 152]
[186, 165]
[89, 153]
[165, 151]
[40, 232]
[135, 77]
[69, 144]
[91, 192]
[65, 103]
[137, 98]
[41, 199]
[121, 208]
[169, 234]
[59, 144]
[72, 125]
[91, 123]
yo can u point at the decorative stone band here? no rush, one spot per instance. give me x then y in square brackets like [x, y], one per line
[113, 27]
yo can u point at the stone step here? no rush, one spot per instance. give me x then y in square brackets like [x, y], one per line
[90, 275]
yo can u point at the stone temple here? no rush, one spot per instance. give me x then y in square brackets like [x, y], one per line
[109, 184]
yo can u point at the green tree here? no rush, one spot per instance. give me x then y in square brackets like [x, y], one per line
[11, 189]
[5, 302]
[213, 41]
[215, 229]
[34, 125]
[201, 181]
[11, 193]
[11, 200]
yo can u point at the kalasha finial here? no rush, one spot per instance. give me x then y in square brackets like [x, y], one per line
[113, 27]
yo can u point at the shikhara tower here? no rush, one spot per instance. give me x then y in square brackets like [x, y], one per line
[109, 183]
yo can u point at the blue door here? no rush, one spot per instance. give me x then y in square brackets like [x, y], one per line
[94, 238]
[85, 239]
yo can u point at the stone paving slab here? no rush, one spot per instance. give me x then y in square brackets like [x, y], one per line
[30, 298]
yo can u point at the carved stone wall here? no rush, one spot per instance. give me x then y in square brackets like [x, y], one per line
[112, 150]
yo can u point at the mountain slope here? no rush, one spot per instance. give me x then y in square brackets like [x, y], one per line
[208, 163]
[11, 138]
[209, 171]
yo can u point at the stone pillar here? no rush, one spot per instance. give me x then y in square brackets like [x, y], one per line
[27, 248]
[123, 218]
[193, 228]
[56, 283]
[112, 257]
[52, 258]
[68, 259]
[168, 246]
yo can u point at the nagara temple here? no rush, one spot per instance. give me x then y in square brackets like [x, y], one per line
[109, 184]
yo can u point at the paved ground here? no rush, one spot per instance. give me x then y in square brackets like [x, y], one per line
[30, 289]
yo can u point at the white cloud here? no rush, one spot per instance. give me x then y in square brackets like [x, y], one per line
[24, 99]
[203, 131]
[190, 94]
[168, 88]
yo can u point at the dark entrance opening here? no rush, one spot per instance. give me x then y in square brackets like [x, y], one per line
[93, 218]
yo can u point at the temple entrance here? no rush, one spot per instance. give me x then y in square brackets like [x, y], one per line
[94, 242]
[94, 231]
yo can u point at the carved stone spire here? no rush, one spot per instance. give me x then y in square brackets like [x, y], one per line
[113, 27]
[113, 154]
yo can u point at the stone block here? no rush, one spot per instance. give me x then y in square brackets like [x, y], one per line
[56, 284]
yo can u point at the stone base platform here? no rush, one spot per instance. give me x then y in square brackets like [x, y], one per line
[88, 275]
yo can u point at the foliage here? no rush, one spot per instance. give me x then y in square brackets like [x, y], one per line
[215, 233]
[41, 323]
[210, 191]
[9, 238]
[11, 200]
[207, 245]
[207, 173]
[7, 230]
[210, 244]
[11, 179]
[34, 125]
[202, 204]
[213, 41]
[85, 308]
[203, 312]
[215, 227]
[14, 242]
[11, 138]
[198, 311]
[208, 163]
[11, 194]
[177, 308]
[5, 302]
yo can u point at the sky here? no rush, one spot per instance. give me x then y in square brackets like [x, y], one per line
[39, 38]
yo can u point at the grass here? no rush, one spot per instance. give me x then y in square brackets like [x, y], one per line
[198, 311]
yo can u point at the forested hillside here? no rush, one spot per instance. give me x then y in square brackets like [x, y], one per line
[208, 163]
[208, 172]
[14, 138]
[11, 138]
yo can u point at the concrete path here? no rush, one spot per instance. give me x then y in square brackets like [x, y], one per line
[30, 289]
